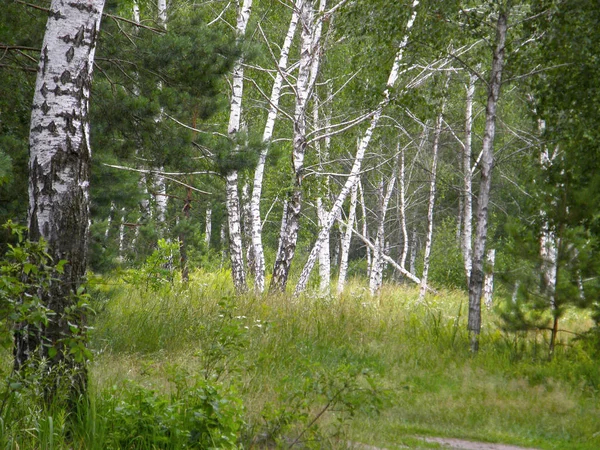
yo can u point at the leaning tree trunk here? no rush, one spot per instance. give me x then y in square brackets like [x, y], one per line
[236, 247]
[259, 256]
[59, 174]
[362, 147]
[483, 199]
[289, 236]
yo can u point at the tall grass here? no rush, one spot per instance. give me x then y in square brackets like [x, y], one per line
[383, 369]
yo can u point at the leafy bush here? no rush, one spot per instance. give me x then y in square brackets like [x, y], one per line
[197, 415]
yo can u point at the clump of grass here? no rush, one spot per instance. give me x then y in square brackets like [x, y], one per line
[283, 357]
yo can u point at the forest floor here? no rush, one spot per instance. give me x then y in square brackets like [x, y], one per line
[449, 443]
[407, 368]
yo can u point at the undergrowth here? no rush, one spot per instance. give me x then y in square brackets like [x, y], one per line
[192, 366]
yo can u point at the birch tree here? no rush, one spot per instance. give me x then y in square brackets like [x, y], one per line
[432, 192]
[59, 170]
[256, 233]
[289, 235]
[346, 239]
[362, 147]
[467, 195]
[483, 198]
[236, 251]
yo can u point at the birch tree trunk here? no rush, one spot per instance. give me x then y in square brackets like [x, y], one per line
[259, 256]
[414, 248]
[431, 203]
[362, 147]
[346, 239]
[488, 282]
[236, 247]
[376, 278]
[59, 174]
[467, 202]
[289, 237]
[486, 165]
[208, 227]
[365, 232]
[402, 206]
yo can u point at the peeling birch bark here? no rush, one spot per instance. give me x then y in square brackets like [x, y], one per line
[59, 173]
[486, 165]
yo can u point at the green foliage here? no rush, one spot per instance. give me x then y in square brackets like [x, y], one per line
[157, 271]
[446, 263]
[196, 415]
[342, 392]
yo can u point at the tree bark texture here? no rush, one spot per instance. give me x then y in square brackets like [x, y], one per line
[59, 168]
[467, 202]
[259, 256]
[486, 165]
[289, 237]
[346, 239]
[376, 278]
[234, 221]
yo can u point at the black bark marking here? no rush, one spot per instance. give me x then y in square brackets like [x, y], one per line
[82, 7]
[78, 39]
[44, 59]
[65, 77]
[56, 15]
[53, 128]
[59, 92]
[70, 53]
[45, 108]
[44, 90]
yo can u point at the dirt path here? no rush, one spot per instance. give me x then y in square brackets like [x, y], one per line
[461, 444]
[452, 443]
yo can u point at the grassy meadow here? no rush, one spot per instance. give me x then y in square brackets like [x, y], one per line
[192, 366]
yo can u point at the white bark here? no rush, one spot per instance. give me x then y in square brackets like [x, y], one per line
[289, 238]
[259, 257]
[59, 164]
[324, 254]
[486, 165]
[488, 282]
[236, 248]
[431, 203]
[385, 257]
[402, 207]
[362, 147]
[162, 12]
[413, 251]
[548, 239]
[122, 236]
[365, 232]
[346, 239]
[467, 202]
[208, 227]
[376, 278]
[109, 221]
